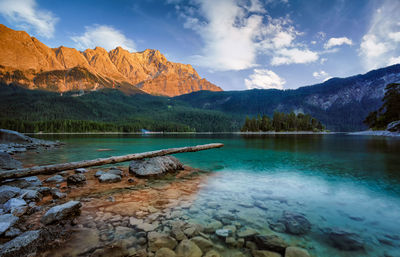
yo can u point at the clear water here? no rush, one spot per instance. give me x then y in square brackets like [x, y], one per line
[335, 181]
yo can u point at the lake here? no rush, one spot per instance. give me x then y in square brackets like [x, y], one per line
[335, 195]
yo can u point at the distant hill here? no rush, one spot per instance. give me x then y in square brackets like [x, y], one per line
[30, 63]
[341, 104]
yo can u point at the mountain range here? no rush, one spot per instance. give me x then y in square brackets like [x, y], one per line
[32, 64]
[152, 90]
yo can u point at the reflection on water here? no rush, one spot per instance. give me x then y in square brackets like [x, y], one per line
[335, 182]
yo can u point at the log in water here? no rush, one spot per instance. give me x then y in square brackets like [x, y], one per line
[54, 168]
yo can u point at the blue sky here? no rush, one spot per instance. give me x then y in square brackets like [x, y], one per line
[236, 44]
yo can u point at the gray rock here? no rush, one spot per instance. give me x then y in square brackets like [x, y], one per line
[23, 245]
[8, 163]
[55, 179]
[15, 206]
[57, 194]
[81, 170]
[44, 191]
[394, 126]
[8, 192]
[10, 136]
[109, 178]
[31, 195]
[76, 179]
[99, 173]
[115, 172]
[296, 223]
[155, 166]
[6, 222]
[62, 212]
[13, 232]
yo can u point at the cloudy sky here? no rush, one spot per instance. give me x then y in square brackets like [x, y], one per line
[236, 44]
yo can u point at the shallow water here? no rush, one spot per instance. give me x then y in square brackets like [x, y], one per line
[334, 181]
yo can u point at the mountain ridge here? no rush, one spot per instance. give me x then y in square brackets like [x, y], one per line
[24, 58]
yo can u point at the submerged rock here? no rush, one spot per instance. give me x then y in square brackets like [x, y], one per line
[109, 178]
[187, 248]
[155, 166]
[165, 252]
[204, 244]
[158, 240]
[62, 212]
[8, 192]
[6, 222]
[344, 240]
[293, 251]
[8, 163]
[271, 243]
[24, 245]
[223, 232]
[264, 253]
[76, 179]
[296, 223]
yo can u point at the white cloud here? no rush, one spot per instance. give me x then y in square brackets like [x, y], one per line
[381, 43]
[294, 55]
[321, 75]
[394, 60]
[235, 33]
[26, 15]
[104, 36]
[338, 41]
[264, 79]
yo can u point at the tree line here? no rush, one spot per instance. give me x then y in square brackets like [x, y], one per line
[282, 122]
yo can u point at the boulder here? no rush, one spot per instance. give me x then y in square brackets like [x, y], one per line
[204, 244]
[55, 179]
[62, 212]
[293, 251]
[13, 232]
[6, 222]
[11, 136]
[296, 223]
[154, 166]
[8, 192]
[57, 194]
[158, 240]
[270, 243]
[263, 253]
[99, 173]
[212, 226]
[165, 252]
[24, 245]
[31, 195]
[80, 171]
[76, 179]
[109, 178]
[115, 171]
[187, 248]
[344, 240]
[394, 126]
[16, 206]
[212, 253]
[8, 163]
[247, 233]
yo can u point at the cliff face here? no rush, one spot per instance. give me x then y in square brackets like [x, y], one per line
[27, 61]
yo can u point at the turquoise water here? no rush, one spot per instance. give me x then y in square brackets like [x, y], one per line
[342, 182]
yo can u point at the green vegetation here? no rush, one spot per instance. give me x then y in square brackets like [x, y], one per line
[389, 111]
[282, 122]
[104, 111]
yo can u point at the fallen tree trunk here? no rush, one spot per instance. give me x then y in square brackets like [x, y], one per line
[54, 168]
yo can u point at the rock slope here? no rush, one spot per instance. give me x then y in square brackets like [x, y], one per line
[27, 61]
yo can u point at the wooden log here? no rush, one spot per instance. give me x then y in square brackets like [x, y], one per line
[54, 168]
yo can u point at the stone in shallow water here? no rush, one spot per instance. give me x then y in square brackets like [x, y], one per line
[204, 244]
[6, 222]
[187, 248]
[223, 232]
[293, 251]
[212, 253]
[8, 192]
[155, 166]
[61, 212]
[271, 243]
[264, 253]
[212, 226]
[23, 245]
[158, 240]
[109, 178]
[165, 252]
[344, 240]
[296, 223]
[247, 232]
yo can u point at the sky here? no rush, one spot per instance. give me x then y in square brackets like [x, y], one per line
[235, 44]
